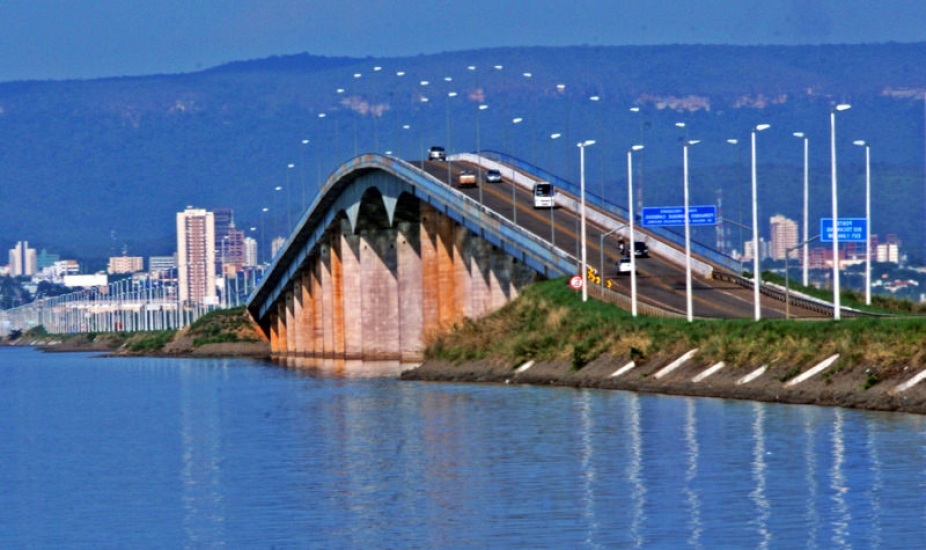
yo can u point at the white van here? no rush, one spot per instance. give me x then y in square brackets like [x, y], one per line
[543, 194]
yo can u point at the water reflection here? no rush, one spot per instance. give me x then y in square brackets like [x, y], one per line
[691, 491]
[758, 495]
[261, 456]
[838, 483]
[345, 368]
[635, 472]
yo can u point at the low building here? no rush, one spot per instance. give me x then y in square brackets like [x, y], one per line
[125, 264]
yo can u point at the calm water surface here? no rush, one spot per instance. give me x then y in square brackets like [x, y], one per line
[183, 453]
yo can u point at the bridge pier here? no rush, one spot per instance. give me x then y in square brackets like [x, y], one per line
[383, 277]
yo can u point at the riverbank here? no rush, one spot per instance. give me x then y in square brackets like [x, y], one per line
[223, 333]
[549, 337]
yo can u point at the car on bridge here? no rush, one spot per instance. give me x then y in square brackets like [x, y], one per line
[624, 266]
[467, 178]
[640, 249]
[437, 152]
[493, 176]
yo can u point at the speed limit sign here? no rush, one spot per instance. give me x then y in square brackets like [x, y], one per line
[576, 282]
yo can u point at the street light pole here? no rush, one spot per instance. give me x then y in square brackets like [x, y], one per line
[688, 302]
[836, 305]
[862, 143]
[514, 196]
[757, 275]
[582, 145]
[806, 249]
[630, 216]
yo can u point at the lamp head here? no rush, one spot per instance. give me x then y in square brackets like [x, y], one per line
[586, 143]
[860, 143]
[733, 141]
[692, 142]
[798, 134]
[636, 148]
[556, 136]
[634, 109]
[680, 124]
[760, 127]
[517, 120]
[842, 107]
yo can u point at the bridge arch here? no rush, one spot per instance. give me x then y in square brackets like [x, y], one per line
[386, 257]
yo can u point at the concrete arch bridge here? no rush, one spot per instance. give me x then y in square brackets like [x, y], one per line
[387, 255]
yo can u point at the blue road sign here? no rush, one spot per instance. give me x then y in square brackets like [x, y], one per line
[656, 216]
[850, 230]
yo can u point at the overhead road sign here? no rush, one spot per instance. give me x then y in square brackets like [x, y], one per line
[659, 216]
[851, 230]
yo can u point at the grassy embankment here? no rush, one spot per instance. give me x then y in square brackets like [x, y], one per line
[216, 327]
[549, 322]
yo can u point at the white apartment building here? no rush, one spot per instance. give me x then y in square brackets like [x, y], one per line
[196, 256]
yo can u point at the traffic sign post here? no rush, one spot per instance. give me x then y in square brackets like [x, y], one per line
[850, 230]
[576, 282]
[663, 216]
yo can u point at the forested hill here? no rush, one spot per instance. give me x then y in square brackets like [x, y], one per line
[89, 168]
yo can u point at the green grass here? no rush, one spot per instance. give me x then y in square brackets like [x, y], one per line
[550, 322]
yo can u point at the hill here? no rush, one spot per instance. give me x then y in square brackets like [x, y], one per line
[88, 168]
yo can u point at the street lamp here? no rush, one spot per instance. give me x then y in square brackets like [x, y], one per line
[836, 305]
[630, 216]
[582, 145]
[806, 253]
[305, 142]
[862, 143]
[688, 303]
[552, 227]
[482, 107]
[757, 275]
[514, 196]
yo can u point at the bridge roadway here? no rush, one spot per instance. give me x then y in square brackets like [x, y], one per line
[660, 280]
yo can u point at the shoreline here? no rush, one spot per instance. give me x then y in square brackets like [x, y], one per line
[848, 387]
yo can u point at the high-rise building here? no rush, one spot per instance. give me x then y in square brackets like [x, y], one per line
[196, 256]
[250, 252]
[22, 260]
[784, 237]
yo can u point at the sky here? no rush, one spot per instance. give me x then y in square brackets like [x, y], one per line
[83, 39]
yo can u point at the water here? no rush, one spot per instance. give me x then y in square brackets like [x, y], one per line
[184, 453]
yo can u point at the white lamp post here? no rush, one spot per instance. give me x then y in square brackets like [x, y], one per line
[630, 216]
[482, 107]
[688, 302]
[582, 145]
[836, 305]
[806, 250]
[867, 147]
[514, 196]
[757, 275]
[553, 199]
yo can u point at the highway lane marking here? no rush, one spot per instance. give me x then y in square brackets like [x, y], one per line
[623, 369]
[708, 372]
[910, 383]
[815, 370]
[524, 367]
[676, 364]
[752, 375]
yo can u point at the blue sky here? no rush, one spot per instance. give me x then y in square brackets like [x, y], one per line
[61, 39]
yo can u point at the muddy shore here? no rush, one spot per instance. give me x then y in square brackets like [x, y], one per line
[850, 387]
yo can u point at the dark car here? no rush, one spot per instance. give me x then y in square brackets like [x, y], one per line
[640, 249]
[493, 176]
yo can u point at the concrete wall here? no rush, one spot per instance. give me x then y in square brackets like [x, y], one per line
[380, 293]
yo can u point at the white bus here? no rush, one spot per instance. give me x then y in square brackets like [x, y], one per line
[543, 194]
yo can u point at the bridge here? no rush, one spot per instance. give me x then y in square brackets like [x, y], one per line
[392, 252]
